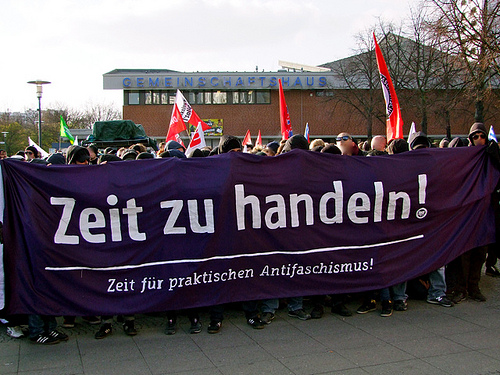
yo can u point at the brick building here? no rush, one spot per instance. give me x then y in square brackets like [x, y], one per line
[234, 102]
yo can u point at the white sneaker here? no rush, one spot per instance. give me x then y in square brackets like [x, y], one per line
[15, 332]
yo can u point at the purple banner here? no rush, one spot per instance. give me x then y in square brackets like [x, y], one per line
[155, 235]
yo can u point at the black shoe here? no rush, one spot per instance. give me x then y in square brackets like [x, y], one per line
[492, 271]
[317, 312]
[58, 335]
[129, 328]
[170, 329]
[367, 307]
[386, 309]
[214, 326]
[477, 296]
[457, 297]
[267, 317]
[442, 301]
[104, 331]
[44, 340]
[299, 314]
[69, 322]
[341, 309]
[195, 326]
[400, 305]
[256, 323]
[92, 320]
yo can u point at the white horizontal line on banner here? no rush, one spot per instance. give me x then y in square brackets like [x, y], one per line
[225, 257]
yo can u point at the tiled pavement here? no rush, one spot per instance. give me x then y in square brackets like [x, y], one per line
[426, 339]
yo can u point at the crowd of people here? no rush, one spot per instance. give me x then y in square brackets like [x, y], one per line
[446, 286]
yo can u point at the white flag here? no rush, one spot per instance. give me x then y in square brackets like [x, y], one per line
[412, 130]
[43, 153]
[188, 114]
[491, 135]
[197, 141]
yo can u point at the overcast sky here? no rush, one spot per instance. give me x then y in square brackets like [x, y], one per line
[72, 43]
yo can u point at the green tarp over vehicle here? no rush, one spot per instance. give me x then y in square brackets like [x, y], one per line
[118, 132]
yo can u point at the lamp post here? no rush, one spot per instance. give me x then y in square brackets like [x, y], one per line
[39, 84]
[5, 141]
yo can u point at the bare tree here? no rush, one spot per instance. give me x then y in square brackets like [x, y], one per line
[469, 30]
[100, 112]
[359, 77]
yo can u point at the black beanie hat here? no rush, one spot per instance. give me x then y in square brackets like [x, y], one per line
[331, 149]
[228, 143]
[296, 141]
[457, 142]
[397, 146]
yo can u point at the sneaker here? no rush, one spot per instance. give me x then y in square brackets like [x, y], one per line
[214, 326]
[104, 331]
[15, 332]
[195, 326]
[299, 314]
[44, 340]
[92, 320]
[367, 307]
[58, 335]
[477, 296]
[129, 328]
[442, 301]
[400, 305]
[317, 312]
[457, 297]
[341, 309]
[256, 323]
[492, 271]
[69, 322]
[267, 317]
[386, 309]
[171, 327]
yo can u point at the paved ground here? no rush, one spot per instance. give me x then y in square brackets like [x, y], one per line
[426, 339]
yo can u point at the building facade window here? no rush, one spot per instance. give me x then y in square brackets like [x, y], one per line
[131, 98]
[163, 97]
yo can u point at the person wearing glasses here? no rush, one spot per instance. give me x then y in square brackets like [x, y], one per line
[473, 260]
[31, 153]
[348, 146]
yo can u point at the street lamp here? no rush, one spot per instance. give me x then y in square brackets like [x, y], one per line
[5, 141]
[39, 84]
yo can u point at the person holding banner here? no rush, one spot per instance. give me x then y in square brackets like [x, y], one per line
[469, 274]
[230, 143]
[437, 290]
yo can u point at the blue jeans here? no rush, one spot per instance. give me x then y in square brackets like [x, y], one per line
[437, 284]
[398, 292]
[271, 305]
[39, 325]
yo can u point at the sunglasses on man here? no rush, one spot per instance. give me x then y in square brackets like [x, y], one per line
[478, 135]
[343, 138]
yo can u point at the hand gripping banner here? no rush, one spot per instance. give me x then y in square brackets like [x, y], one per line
[156, 235]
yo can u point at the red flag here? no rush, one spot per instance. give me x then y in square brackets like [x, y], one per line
[176, 125]
[188, 114]
[248, 139]
[394, 122]
[197, 140]
[259, 140]
[286, 126]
